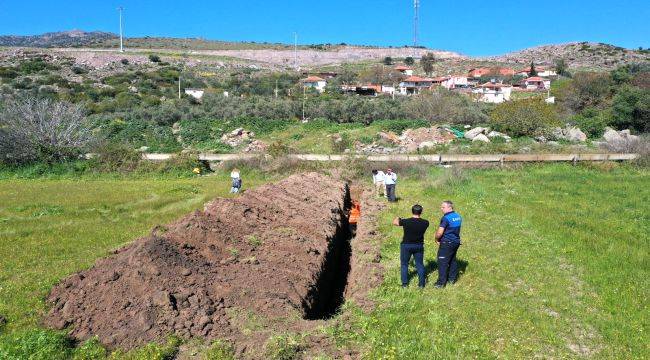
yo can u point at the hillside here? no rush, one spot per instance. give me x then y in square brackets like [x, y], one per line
[581, 55]
[72, 38]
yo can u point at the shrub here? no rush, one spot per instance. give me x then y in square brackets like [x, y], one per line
[631, 108]
[125, 61]
[42, 129]
[340, 143]
[409, 61]
[443, 106]
[154, 58]
[528, 117]
[117, 157]
[593, 122]
[278, 148]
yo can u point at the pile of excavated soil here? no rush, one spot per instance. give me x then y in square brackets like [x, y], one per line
[273, 251]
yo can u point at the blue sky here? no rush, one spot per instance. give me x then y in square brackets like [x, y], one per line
[470, 27]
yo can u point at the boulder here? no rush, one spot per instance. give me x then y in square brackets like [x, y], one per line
[237, 132]
[481, 137]
[426, 144]
[494, 134]
[575, 134]
[611, 135]
[471, 134]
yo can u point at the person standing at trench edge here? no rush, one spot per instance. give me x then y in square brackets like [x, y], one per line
[448, 240]
[390, 179]
[412, 244]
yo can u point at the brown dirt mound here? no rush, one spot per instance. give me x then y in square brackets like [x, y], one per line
[276, 250]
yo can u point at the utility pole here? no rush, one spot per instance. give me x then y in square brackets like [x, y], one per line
[304, 98]
[120, 9]
[295, 50]
[276, 89]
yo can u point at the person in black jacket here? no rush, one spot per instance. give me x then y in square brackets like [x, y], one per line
[412, 244]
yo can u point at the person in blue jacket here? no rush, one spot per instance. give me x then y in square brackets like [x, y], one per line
[448, 240]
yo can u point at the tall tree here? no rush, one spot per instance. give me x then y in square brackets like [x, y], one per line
[427, 62]
[533, 72]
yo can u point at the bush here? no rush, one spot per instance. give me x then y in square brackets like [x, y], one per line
[115, 157]
[631, 108]
[154, 58]
[340, 143]
[397, 126]
[34, 129]
[530, 117]
[443, 106]
[409, 61]
[592, 121]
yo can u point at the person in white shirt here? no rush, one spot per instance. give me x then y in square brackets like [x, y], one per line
[236, 181]
[390, 179]
[378, 180]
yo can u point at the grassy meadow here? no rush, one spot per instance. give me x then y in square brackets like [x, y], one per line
[554, 262]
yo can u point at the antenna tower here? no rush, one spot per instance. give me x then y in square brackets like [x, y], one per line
[416, 11]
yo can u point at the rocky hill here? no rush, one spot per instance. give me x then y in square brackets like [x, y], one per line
[582, 55]
[73, 38]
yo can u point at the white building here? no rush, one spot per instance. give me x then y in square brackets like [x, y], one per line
[537, 83]
[493, 92]
[454, 81]
[315, 82]
[195, 93]
[414, 84]
[388, 89]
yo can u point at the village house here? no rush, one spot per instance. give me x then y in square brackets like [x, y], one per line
[493, 92]
[195, 93]
[485, 71]
[367, 90]
[414, 84]
[541, 71]
[314, 82]
[404, 70]
[537, 83]
[455, 81]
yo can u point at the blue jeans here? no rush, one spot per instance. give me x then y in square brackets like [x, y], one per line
[405, 252]
[447, 264]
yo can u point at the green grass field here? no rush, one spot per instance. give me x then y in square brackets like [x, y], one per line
[555, 261]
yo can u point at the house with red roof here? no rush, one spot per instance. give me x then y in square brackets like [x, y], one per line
[414, 84]
[404, 70]
[314, 82]
[493, 92]
[537, 83]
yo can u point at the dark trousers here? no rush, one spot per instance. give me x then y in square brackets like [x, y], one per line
[447, 264]
[405, 252]
[390, 192]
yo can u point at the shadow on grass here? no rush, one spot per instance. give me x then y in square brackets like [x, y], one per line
[430, 268]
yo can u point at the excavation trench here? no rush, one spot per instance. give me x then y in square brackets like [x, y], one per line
[328, 294]
[273, 250]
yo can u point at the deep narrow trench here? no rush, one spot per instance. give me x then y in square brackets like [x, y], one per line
[327, 295]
